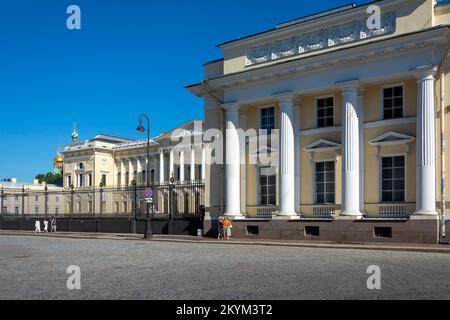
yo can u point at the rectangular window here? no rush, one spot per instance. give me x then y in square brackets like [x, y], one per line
[268, 119]
[90, 206]
[89, 178]
[325, 112]
[104, 179]
[267, 186]
[16, 210]
[56, 211]
[393, 179]
[36, 210]
[393, 102]
[325, 182]
[36, 198]
[69, 181]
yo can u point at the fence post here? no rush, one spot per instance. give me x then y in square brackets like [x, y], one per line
[23, 200]
[133, 223]
[1, 201]
[46, 199]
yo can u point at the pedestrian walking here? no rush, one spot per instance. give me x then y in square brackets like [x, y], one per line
[220, 229]
[227, 229]
[53, 225]
[37, 227]
[45, 225]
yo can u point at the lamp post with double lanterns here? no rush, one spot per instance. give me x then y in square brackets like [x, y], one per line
[148, 234]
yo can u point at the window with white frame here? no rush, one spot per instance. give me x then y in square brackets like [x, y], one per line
[69, 181]
[267, 186]
[268, 119]
[393, 179]
[80, 180]
[393, 102]
[325, 182]
[325, 112]
[89, 178]
[36, 210]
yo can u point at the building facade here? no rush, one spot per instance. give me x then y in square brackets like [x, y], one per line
[359, 115]
[116, 164]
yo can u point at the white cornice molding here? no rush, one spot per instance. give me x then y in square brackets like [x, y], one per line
[390, 122]
[317, 131]
[391, 138]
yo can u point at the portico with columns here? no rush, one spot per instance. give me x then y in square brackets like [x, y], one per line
[356, 124]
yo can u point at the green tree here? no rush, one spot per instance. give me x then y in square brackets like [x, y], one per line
[50, 178]
[5, 180]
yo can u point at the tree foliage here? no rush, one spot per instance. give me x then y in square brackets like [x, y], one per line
[50, 178]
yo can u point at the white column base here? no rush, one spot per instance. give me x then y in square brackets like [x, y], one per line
[424, 215]
[356, 215]
[291, 216]
[235, 216]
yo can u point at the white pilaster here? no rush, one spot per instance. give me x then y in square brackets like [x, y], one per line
[232, 162]
[203, 163]
[243, 161]
[286, 157]
[426, 142]
[116, 178]
[131, 171]
[161, 167]
[181, 165]
[350, 155]
[122, 174]
[297, 151]
[139, 177]
[171, 165]
[361, 150]
[192, 167]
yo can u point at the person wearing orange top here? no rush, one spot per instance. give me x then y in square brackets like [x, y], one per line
[227, 228]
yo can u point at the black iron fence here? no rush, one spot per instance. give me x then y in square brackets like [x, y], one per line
[176, 199]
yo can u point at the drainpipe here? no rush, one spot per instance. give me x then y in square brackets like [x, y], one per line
[442, 137]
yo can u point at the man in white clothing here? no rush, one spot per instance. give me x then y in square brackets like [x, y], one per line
[37, 227]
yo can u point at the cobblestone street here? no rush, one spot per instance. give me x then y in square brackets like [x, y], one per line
[35, 268]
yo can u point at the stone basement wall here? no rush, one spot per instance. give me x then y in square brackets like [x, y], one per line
[337, 231]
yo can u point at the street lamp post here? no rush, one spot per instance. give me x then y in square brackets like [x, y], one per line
[148, 234]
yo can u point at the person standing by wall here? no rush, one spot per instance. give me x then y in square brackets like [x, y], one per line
[37, 227]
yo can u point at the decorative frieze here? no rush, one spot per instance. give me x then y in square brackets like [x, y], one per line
[325, 38]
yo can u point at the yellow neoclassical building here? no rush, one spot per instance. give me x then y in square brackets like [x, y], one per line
[115, 164]
[360, 114]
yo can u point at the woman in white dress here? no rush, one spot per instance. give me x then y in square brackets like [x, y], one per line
[37, 227]
[45, 225]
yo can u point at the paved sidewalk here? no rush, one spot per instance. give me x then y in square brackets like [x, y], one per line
[245, 242]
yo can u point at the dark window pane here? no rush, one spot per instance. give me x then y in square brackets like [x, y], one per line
[398, 91]
[398, 113]
[399, 185]
[387, 196]
[399, 173]
[387, 185]
[320, 188]
[330, 198]
[399, 161]
[398, 102]
[263, 180]
[320, 103]
[320, 166]
[272, 180]
[387, 174]
[321, 113]
[329, 112]
[387, 114]
[320, 198]
[388, 103]
[330, 102]
[320, 177]
[329, 122]
[388, 92]
[387, 162]
[321, 123]
[329, 166]
[272, 200]
[330, 176]
[330, 187]
[399, 196]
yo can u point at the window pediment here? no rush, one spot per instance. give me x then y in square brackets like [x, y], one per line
[391, 138]
[322, 145]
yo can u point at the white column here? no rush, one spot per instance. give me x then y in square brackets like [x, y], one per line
[361, 150]
[171, 165]
[139, 178]
[161, 166]
[286, 157]
[426, 142]
[115, 178]
[131, 172]
[297, 167]
[203, 163]
[232, 162]
[350, 154]
[122, 174]
[182, 165]
[192, 167]
[243, 155]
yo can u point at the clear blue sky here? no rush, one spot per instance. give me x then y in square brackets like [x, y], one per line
[131, 56]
